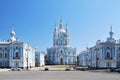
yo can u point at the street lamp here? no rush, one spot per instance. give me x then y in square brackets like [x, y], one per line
[27, 62]
[22, 65]
[27, 57]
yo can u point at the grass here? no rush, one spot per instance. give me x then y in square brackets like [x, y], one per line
[60, 66]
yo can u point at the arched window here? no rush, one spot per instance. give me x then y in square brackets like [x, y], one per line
[108, 55]
[16, 47]
[16, 54]
[5, 55]
[5, 48]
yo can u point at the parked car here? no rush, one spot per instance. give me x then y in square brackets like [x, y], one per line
[68, 69]
[117, 70]
[16, 69]
[81, 68]
[112, 69]
[46, 69]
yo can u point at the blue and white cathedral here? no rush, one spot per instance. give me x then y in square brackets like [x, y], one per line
[61, 53]
[16, 54]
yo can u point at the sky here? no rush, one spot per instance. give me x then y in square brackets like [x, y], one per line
[34, 20]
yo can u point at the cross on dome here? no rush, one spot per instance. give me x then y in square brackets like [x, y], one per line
[61, 25]
[12, 39]
[111, 33]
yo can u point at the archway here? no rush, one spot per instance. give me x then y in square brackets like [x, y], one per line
[16, 54]
[108, 55]
[61, 61]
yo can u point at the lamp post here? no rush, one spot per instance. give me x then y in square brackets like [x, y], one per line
[22, 65]
[27, 58]
[27, 62]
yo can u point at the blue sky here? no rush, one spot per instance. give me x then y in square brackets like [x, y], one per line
[34, 20]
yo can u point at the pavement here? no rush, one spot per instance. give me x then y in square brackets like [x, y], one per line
[43, 68]
[37, 68]
[4, 69]
[38, 73]
[58, 75]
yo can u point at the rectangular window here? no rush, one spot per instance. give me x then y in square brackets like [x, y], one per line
[0, 55]
[119, 55]
[0, 63]
[5, 55]
[0, 48]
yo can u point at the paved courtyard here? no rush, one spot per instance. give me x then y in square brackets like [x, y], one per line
[58, 75]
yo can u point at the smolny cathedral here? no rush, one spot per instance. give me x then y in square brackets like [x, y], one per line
[61, 53]
[14, 53]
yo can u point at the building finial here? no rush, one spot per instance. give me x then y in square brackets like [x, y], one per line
[12, 34]
[111, 33]
[87, 47]
[13, 27]
[61, 25]
[61, 19]
[55, 29]
[111, 27]
[66, 27]
[55, 25]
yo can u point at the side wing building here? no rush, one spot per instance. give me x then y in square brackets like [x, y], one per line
[103, 54]
[14, 53]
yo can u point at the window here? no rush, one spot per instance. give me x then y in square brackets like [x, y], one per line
[5, 63]
[16, 47]
[17, 64]
[5, 55]
[73, 61]
[107, 47]
[68, 61]
[119, 55]
[16, 54]
[5, 48]
[108, 55]
[0, 48]
[0, 63]
[0, 55]
[68, 53]
[97, 58]
[108, 65]
[65, 54]
[119, 49]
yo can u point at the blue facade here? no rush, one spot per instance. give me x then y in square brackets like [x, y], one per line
[14, 53]
[103, 54]
[61, 52]
[4, 55]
